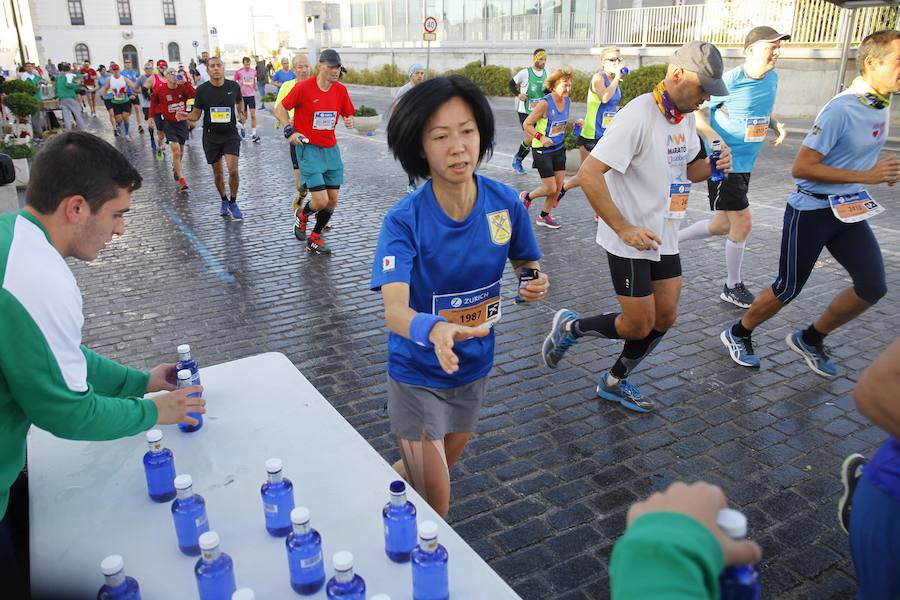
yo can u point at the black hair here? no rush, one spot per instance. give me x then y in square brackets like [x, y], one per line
[77, 163]
[875, 45]
[407, 125]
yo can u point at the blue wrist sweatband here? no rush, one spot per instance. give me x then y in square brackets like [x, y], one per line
[420, 327]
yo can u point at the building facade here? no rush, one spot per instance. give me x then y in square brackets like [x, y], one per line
[17, 45]
[101, 31]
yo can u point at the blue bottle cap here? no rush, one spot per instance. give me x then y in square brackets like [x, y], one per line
[398, 487]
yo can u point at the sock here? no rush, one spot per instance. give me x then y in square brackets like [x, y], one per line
[738, 330]
[523, 151]
[232, 199]
[695, 231]
[611, 379]
[813, 337]
[634, 352]
[254, 131]
[224, 198]
[306, 209]
[544, 214]
[527, 196]
[322, 220]
[562, 192]
[602, 325]
[734, 259]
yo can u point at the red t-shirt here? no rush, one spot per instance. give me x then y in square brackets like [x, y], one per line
[316, 113]
[166, 102]
[90, 76]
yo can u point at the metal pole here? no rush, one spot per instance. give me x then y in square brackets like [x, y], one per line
[850, 23]
[427, 58]
[18, 34]
[253, 31]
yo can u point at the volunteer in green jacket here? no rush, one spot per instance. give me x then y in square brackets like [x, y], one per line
[67, 85]
[79, 193]
[528, 88]
[34, 78]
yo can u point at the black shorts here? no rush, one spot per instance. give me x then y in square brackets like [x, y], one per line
[136, 101]
[107, 103]
[158, 121]
[250, 102]
[548, 163]
[120, 108]
[634, 277]
[294, 162]
[216, 147]
[176, 133]
[730, 194]
[587, 143]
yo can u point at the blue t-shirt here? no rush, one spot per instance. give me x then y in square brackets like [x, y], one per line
[130, 74]
[281, 76]
[748, 108]
[451, 267]
[884, 468]
[101, 81]
[850, 135]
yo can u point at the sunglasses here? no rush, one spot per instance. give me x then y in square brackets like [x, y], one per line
[616, 60]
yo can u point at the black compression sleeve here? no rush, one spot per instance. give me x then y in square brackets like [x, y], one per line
[513, 87]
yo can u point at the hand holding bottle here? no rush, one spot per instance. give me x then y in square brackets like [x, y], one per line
[173, 408]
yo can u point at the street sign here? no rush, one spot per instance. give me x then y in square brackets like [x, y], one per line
[429, 37]
[195, 44]
[430, 25]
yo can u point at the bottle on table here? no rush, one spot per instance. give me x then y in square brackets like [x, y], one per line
[399, 516]
[304, 554]
[189, 514]
[345, 585]
[739, 582]
[159, 468]
[431, 580]
[184, 380]
[186, 362]
[278, 499]
[118, 586]
[214, 570]
[716, 174]
[243, 594]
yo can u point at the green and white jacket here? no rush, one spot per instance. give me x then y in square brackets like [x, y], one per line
[47, 378]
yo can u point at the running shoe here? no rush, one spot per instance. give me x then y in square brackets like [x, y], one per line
[737, 295]
[517, 165]
[301, 220]
[316, 244]
[241, 130]
[558, 340]
[411, 188]
[741, 349]
[183, 183]
[851, 471]
[624, 393]
[116, 132]
[236, 213]
[547, 221]
[816, 356]
[223, 208]
[256, 139]
[524, 200]
[93, 114]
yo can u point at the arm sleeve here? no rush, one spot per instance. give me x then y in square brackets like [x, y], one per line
[113, 379]
[666, 555]
[623, 140]
[827, 129]
[394, 253]
[513, 87]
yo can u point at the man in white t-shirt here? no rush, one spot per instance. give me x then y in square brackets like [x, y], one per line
[528, 87]
[638, 178]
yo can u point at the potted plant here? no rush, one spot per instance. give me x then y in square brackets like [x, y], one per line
[366, 119]
[21, 99]
[20, 152]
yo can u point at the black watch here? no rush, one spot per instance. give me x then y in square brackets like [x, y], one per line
[288, 131]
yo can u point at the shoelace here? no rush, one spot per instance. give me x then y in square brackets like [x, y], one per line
[745, 343]
[629, 390]
[567, 341]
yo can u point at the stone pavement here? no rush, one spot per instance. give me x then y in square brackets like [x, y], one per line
[542, 490]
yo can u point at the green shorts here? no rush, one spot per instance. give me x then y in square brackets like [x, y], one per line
[320, 168]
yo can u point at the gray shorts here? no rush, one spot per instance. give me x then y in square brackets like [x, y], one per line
[439, 410]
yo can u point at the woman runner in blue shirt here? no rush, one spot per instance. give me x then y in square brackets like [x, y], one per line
[439, 265]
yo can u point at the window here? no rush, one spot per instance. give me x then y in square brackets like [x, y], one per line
[124, 7]
[76, 14]
[82, 54]
[130, 54]
[174, 52]
[169, 12]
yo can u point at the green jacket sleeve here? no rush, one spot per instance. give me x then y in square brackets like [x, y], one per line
[666, 556]
[113, 379]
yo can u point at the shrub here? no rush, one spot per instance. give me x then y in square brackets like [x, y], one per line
[269, 97]
[492, 79]
[386, 76]
[580, 83]
[17, 150]
[365, 111]
[22, 104]
[17, 86]
[641, 81]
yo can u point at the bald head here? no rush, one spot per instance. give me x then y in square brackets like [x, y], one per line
[300, 65]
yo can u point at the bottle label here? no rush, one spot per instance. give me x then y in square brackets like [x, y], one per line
[307, 563]
[429, 545]
[210, 555]
[185, 493]
[201, 520]
[155, 446]
[271, 508]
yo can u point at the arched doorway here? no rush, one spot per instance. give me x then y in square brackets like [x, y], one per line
[129, 52]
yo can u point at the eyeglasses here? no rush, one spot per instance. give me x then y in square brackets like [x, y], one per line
[614, 60]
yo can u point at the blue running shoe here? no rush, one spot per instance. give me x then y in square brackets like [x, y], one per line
[223, 208]
[815, 357]
[517, 165]
[235, 211]
[741, 349]
[624, 393]
[559, 340]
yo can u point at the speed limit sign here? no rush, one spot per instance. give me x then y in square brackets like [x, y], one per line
[430, 25]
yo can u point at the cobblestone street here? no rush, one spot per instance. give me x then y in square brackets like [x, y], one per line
[541, 492]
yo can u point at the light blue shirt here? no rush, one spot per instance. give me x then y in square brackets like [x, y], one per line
[743, 123]
[850, 135]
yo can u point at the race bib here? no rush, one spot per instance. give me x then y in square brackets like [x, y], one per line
[175, 107]
[220, 114]
[475, 308]
[855, 207]
[249, 81]
[557, 128]
[607, 119]
[755, 130]
[324, 119]
[679, 192]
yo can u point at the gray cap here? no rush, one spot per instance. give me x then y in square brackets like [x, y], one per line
[764, 34]
[330, 57]
[705, 60]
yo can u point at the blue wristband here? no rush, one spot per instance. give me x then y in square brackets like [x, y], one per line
[420, 327]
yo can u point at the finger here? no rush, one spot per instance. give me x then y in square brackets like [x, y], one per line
[190, 420]
[741, 552]
[467, 332]
[192, 389]
[654, 237]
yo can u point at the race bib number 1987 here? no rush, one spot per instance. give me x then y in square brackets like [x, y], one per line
[475, 308]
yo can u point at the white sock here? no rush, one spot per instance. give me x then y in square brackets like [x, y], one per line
[254, 131]
[611, 379]
[695, 231]
[734, 259]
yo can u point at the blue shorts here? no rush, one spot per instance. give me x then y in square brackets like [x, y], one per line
[320, 168]
[875, 541]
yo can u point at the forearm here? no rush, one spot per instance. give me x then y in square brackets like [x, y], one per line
[699, 170]
[593, 184]
[281, 114]
[610, 91]
[824, 174]
[878, 389]
[398, 318]
[513, 87]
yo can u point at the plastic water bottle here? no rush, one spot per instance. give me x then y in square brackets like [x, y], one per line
[118, 586]
[304, 553]
[243, 594]
[399, 524]
[278, 499]
[159, 468]
[431, 580]
[576, 129]
[345, 585]
[737, 582]
[184, 380]
[623, 71]
[715, 173]
[214, 571]
[186, 362]
[189, 514]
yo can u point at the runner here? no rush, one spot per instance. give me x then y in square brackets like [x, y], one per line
[151, 84]
[830, 206]
[317, 102]
[262, 78]
[740, 121]
[66, 91]
[203, 69]
[300, 64]
[215, 100]
[416, 74]
[89, 78]
[167, 102]
[102, 77]
[442, 247]
[145, 94]
[283, 75]
[131, 74]
[246, 78]
[637, 179]
[119, 88]
[546, 125]
[528, 88]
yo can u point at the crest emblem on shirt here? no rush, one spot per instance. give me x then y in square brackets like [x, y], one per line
[877, 130]
[500, 226]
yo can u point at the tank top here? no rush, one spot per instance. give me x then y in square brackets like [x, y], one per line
[535, 89]
[599, 115]
[553, 126]
[118, 87]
